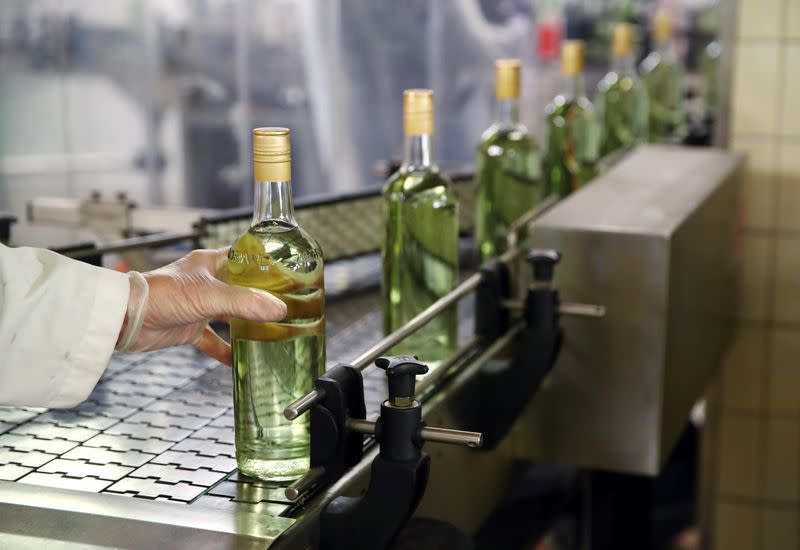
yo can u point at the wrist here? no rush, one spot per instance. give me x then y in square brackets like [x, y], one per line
[134, 316]
[122, 330]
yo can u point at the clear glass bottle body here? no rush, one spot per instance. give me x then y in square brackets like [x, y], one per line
[275, 363]
[662, 77]
[572, 138]
[420, 252]
[509, 179]
[623, 107]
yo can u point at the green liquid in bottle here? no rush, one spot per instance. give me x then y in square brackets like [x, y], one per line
[276, 363]
[623, 107]
[709, 62]
[664, 83]
[420, 260]
[573, 137]
[508, 184]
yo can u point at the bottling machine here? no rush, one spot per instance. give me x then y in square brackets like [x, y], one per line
[591, 356]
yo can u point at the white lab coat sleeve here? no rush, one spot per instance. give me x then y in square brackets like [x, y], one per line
[59, 323]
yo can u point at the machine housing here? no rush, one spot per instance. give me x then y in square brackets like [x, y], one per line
[656, 240]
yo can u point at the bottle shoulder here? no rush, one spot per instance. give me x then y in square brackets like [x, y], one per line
[571, 109]
[656, 64]
[650, 62]
[622, 86]
[407, 183]
[276, 239]
[586, 105]
[609, 81]
[558, 103]
[514, 137]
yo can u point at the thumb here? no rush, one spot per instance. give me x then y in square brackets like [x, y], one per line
[243, 303]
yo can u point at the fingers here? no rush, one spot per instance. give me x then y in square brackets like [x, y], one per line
[212, 345]
[187, 292]
[221, 259]
[215, 260]
[211, 260]
[243, 303]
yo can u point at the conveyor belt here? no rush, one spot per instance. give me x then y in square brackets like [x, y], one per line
[159, 425]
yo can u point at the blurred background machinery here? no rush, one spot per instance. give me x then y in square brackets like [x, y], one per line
[156, 100]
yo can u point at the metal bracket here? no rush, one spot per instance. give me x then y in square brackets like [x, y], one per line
[400, 471]
[494, 398]
[334, 448]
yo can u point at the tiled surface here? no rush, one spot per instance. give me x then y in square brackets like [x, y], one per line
[786, 305]
[782, 468]
[742, 370]
[791, 85]
[789, 192]
[755, 276]
[740, 456]
[760, 18]
[755, 79]
[784, 375]
[780, 529]
[755, 483]
[737, 526]
[759, 182]
[791, 23]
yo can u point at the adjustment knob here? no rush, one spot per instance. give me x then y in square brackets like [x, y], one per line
[543, 262]
[402, 372]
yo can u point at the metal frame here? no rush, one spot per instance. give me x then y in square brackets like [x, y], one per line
[206, 225]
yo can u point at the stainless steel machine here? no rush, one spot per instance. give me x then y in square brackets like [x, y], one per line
[655, 241]
[636, 313]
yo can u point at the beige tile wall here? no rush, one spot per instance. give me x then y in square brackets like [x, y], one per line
[756, 479]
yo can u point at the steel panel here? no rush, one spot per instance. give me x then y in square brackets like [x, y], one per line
[655, 241]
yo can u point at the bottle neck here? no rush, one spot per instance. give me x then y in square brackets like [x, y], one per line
[573, 86]
[506, 112]
[663, 47]
[418, 152]
[623, 66]
[273, 201]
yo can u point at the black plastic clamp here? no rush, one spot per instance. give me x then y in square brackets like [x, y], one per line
[492, 400]
[400, 471]
[334, 448]
[492, 319]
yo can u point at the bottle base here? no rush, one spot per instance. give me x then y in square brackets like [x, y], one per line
[277, 470]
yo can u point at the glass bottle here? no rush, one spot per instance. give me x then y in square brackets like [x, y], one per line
[709, 65]
[275, 363]
[508, 170]
[622, 103]
[572, 130]
[420, 247]
[662, 76]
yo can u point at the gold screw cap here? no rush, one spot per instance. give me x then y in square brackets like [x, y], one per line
[622, 43]
[662, 25]
[418, 112]
[272, 154]
[507, 73]
[572, 57]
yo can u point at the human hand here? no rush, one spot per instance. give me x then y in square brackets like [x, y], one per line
[172, 305]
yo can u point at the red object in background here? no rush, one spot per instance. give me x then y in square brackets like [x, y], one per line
[548, 39]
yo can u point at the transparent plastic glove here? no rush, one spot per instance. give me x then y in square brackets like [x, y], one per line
[172, 305]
